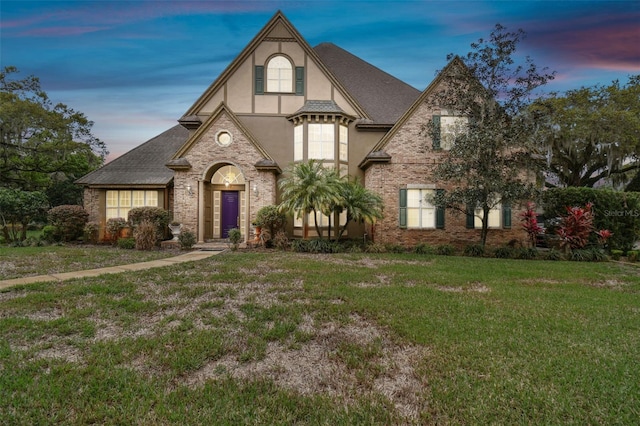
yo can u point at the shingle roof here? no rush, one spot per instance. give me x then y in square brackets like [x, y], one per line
[143, 165]
[321, 107]
[383, 97]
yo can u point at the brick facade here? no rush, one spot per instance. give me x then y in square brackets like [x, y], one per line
[412, 163]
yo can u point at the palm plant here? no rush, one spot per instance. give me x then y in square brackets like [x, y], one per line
[309, 187]
[361, 204]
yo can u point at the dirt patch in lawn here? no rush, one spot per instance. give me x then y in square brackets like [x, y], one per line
[343, 361]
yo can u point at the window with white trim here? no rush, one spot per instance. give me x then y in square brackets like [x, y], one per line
[344, 143]
[494, 218]
[420, 212]
[120, 202]
[279, 75]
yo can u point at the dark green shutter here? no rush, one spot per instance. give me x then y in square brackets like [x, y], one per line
[436, 131]
[471, 218]
[299, 80]
[403, 208]
[439, 212]
[259, 83]
[506, 214]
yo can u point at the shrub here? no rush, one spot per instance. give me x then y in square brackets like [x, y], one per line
[187, 239]
[593, 254]
[633, 255]
[616, 254]
[529, 221]
[474, 250]
[235, 237]
[159, 217]
[552, 254]
[281, 241]
[576, 227]
[271, 218]
[503, 252]
[51, 234]
[145, 235]
[114, 225]
[70, 221]
[395, 248]
[375, 248]
[91, 231]
[126, 243]
[322, 246]
[300, 246]
[445, 250]
[424, 248]
[618, 212]
[527, 253]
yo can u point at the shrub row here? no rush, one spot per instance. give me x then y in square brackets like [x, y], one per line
[616, 211]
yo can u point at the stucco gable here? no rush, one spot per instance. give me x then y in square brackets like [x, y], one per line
[277, 30]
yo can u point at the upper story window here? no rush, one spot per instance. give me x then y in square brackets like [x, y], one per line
[279, 75]
[447, 129]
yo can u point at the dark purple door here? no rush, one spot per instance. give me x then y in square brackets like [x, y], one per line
[230, 212]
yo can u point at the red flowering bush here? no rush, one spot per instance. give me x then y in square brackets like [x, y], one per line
[529, 221]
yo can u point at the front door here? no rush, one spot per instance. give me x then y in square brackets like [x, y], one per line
[230, 209]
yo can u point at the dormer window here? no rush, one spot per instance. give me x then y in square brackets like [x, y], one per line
[279, 75]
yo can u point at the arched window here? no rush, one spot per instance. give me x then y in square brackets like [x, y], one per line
[279, 75]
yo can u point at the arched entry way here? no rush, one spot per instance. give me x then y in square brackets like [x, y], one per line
[224, 201]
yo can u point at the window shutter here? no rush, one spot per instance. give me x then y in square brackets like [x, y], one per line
[259, 83]
[470, 217]
[506, 214]
[403, 208]
[436, 131]
[299, 80]
[439, 212]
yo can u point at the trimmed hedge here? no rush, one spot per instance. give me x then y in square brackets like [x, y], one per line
[69, 221]
[616, 211]
[156, 215]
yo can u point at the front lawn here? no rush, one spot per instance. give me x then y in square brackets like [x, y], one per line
[283, 338]
[17, 262]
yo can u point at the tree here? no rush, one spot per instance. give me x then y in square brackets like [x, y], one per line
[361, 204]
[592, 134]
[309, 188]
[490, 161]
[19, 208]
[42, 144]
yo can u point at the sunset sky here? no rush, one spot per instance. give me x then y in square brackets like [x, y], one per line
[135, 67]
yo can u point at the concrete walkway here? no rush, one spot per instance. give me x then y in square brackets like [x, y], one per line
[187, 257]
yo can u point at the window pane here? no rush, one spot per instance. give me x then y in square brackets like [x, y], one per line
[321, 141]
[138, 198]
[151, 199]
[279, 75]
[413, 218]
[125, 199]
[297, 143]
[450, 128]
[344, 143]
[112, 199]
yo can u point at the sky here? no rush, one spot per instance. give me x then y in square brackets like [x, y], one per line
[135, 67]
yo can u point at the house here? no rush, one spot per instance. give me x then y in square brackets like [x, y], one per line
[280, 101]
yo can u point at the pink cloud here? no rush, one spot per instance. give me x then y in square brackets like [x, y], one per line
[597, 42]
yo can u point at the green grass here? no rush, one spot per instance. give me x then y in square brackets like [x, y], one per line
[281, 338]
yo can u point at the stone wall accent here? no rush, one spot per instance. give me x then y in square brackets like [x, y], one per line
[205, 156]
